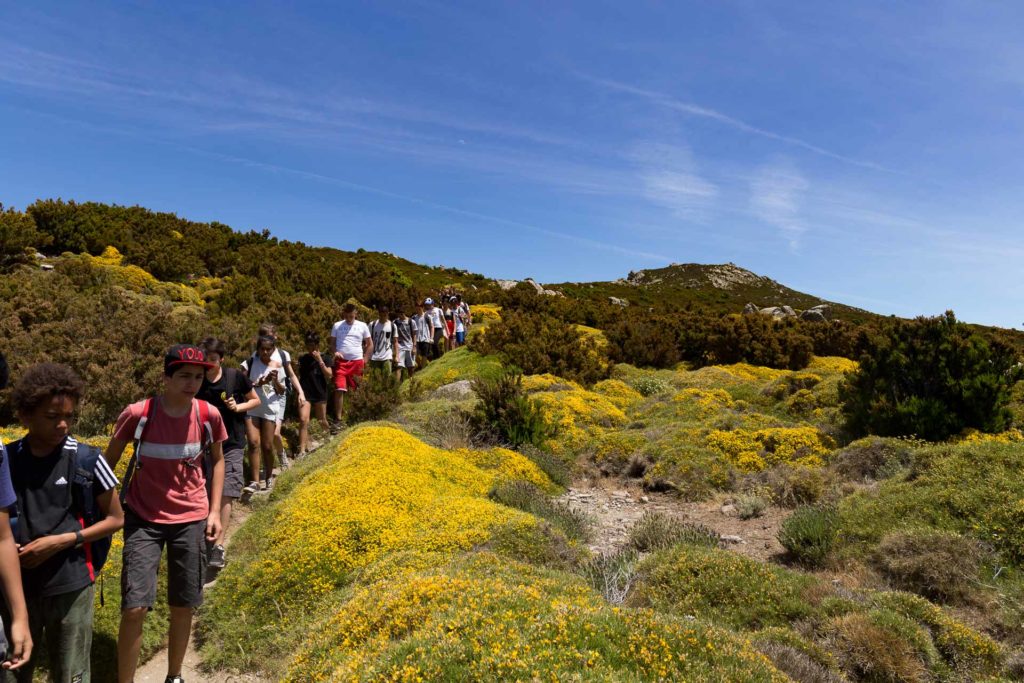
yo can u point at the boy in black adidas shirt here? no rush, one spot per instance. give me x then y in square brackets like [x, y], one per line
[52, 473]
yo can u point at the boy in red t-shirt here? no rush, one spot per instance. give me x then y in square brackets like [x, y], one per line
[166, 503]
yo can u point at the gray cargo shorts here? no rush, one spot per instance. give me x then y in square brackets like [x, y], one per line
[186, 562]
[233, 465]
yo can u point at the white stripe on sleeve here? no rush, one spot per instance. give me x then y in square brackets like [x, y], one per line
[104, 474]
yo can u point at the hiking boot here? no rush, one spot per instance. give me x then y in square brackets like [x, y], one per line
[335, 427]
[216, 557]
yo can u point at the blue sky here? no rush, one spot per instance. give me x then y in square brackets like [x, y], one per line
[870, 152]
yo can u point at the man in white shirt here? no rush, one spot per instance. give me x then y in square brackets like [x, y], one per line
[352, 346]
[382, 334]
[436, 318]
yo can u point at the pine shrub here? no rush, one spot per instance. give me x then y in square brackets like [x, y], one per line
[507, 415]
[929, 377]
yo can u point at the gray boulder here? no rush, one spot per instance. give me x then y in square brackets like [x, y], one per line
[455, 391]
[616, 301]
[750, 309]
[813, 315]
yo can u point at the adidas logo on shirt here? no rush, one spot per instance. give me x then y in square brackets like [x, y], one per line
[61, 482]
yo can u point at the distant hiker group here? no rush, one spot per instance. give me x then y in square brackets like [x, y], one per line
[186, 449]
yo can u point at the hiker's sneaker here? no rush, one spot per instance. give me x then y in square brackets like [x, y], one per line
[285, 462]
[335, 427]
[269, 484]
[216, 559]
[174, 679]
[250, 488]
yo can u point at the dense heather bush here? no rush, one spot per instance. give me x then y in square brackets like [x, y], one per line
[506, 414]
[375, 398]
[791, 486]
[930, 377]
[527, 497]
[538, 343]
[797, 665]
[650, 386]
[939, 565]
[809, 534]
[750, 505]
[656, 531]
[873, 458]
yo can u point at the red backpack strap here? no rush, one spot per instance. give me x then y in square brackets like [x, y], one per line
[206, 434]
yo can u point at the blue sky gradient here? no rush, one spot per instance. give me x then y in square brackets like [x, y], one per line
[869, 153]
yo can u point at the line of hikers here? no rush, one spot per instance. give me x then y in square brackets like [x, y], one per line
[59, 498]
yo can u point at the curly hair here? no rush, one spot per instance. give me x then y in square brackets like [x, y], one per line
[42, 382]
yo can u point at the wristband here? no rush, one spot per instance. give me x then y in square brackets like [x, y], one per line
[79, 539]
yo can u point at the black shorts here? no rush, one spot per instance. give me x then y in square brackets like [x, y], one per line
[425, 349]
[314, 394]
[186, 562]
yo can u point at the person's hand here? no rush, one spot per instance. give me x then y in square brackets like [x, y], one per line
[213, 526]
[20, 649]
[338, 356]
[302, 399]
[231, 403]
[43, 548]
[316, 354]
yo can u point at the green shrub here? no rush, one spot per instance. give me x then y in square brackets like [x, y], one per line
[375, 398]
[539, 343]
[939, 565]
[796, 664]
[930, 377]
[506, 414]
[809, 534]
[550, 464]
[657, 531]
[882, 646]
[650, 386]
[792, 486]
[975, 489]
[873, 458]
[523, 495]
[721, 586]
[750, 505]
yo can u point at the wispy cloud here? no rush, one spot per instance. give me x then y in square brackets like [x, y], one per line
[693, 109]
[776, 193]
[369, 189]
[669, 177]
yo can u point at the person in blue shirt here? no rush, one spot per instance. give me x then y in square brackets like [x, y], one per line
[15, 638]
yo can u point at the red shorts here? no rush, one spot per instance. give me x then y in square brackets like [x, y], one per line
[347, 372]
[451, 327]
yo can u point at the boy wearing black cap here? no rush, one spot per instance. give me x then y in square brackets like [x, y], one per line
[178, 438]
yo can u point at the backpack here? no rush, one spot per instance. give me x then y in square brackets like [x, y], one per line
[83, 502]
[202, 409]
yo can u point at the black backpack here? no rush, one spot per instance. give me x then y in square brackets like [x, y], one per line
[83, 502]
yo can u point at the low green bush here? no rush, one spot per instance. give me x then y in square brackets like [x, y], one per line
[873, 457]
[750, 505]
[721, 586]
[809, 534]
[525, 496]
[940, 565]
[657, 531]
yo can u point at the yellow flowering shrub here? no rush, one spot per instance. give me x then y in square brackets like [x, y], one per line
[753, 451]
[618, 392]
[547, 382]
[487, 619]
[613, 450]
[485, 314]
[382, 491]
[137, 279]
[707, 401]
[832, 365]
[578, 415]
[975, 436]
[457, 365]
[751, 373]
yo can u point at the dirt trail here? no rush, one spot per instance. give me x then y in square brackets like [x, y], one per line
[155, 670]
[615, 506]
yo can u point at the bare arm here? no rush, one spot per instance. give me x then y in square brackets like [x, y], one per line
[213, 519]
[295, 383]
[33, 554]
[115, 449]
[367, 349]
[10, 576]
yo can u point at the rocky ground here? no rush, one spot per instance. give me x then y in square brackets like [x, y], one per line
[615, 508]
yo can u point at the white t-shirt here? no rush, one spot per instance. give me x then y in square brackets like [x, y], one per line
[383, 334]
[348, 339]
[435, 316]
[272, 404]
